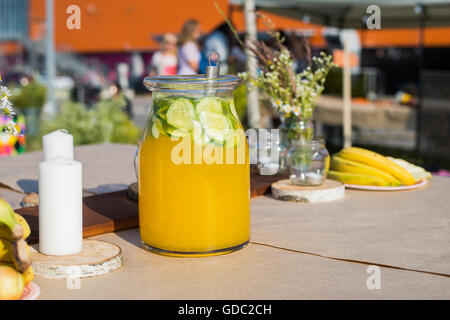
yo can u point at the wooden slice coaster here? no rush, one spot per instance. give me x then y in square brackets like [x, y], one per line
[328, 191]
[96, 258]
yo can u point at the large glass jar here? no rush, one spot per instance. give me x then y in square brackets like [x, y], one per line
[194, 174]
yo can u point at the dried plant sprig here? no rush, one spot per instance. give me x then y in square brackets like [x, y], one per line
[293, 95]
[230, 25]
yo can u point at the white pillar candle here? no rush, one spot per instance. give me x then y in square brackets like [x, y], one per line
[58, 143]
[60, 207]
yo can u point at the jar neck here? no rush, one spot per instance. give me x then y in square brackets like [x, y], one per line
[315, 143]
[294, 121]
[294, 128]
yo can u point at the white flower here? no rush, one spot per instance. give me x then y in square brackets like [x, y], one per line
[287, 108]
[6, 107]
[12, 128]
[296, 111]
[4, 92]
[243, 76]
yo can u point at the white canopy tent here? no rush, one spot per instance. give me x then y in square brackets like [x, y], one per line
[353, 14]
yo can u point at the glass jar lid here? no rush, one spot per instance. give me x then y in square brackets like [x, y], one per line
[191, 83]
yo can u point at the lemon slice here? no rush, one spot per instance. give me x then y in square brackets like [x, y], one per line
[210, 104]
[216, 125]
[181, 114]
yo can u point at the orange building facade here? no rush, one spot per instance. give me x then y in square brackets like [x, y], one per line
[112, 26]
[126, 26]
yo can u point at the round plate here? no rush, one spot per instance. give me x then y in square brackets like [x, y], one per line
[419, 184]
[31, 292]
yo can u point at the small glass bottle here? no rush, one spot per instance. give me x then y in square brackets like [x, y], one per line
[308, 162]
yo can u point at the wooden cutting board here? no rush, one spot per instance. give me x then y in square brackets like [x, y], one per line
[113, 211]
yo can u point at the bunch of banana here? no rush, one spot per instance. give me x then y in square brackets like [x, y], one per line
[417, 172]
[15, 262]
[364, 167]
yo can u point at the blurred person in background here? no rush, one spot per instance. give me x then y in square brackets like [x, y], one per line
[165, 61]
[189, 54]
[137, 70]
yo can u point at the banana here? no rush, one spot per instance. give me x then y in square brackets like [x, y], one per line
[6, 233]
[417, 172]
[359, 179]
[17, 252]
[378, 161]
[27, 276]
[22, 256]
[6, 250]
[344, 165]
[7, 218]
[11, 283]
[7, 214]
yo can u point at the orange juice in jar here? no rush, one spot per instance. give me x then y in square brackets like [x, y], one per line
[194, 176]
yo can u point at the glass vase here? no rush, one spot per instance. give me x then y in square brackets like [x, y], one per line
[293, 129]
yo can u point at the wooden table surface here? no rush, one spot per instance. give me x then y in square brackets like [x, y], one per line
[297, 250]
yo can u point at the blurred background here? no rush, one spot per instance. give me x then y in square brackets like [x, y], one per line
[400, 75]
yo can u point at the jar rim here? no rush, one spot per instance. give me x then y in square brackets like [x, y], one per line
[191, 83]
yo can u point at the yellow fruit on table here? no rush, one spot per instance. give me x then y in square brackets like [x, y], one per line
[28, 275]
[344, 165]
[417, 172]
[358, 179]
[6, 214]
[5, 231]
[11, 284]
[378, 161]
[327, 164]
[26, 227]
[6, 250]
[8, 219]
[17, 252]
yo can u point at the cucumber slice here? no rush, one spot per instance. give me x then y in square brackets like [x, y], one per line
[159, 126]
[233, 108]
[197, 133]
[162, 114]
[216, 125]
[155, 131]
[210, 104]
[161, 106]
[180, 133]
[180, 114]
[233, 140]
